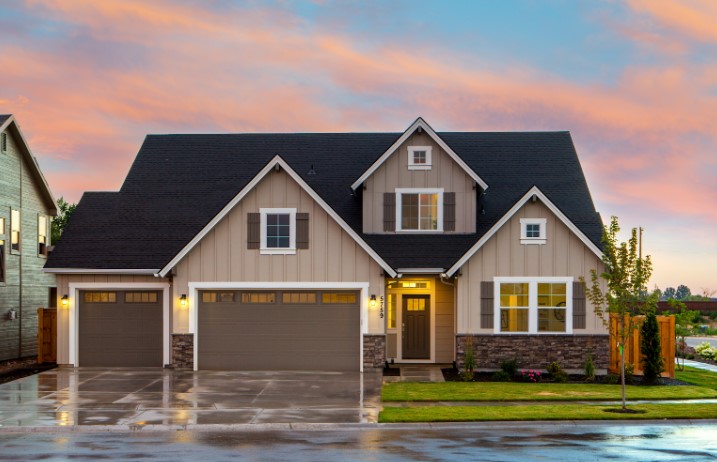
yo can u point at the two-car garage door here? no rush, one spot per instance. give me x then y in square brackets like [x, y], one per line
[278, 330]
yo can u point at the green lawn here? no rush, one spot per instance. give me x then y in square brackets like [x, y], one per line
[510, 391]
[544, 412]
[698, 377]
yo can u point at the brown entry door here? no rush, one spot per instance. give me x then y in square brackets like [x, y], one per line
[416, 331]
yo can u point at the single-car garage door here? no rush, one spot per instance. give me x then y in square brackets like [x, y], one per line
[120, 328]
[279, 330]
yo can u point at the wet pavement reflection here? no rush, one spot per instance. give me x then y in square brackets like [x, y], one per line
[136, 397]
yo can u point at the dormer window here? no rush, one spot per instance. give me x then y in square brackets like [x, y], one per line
[419, 210]
[533, 231]
[419, 157]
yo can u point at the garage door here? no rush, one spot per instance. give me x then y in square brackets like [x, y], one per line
[279, 330]
[120, 328]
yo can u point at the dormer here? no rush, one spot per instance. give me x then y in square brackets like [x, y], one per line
[419, 186]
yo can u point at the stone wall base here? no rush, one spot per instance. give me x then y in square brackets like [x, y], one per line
[374, 351]
[534, 351]
[182, 351]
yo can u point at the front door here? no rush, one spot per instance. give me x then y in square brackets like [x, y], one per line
[416, 328]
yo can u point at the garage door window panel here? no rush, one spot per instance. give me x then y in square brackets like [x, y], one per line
[100, 297]
[338, 298]
[295, 298]
[258, 297]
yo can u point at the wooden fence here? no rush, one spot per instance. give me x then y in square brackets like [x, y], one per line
[46, 335]
[633, 354]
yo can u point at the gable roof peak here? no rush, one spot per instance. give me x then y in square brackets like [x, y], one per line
[419, 124]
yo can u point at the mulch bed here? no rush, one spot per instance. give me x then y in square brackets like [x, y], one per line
[453, 375]
[14, 369]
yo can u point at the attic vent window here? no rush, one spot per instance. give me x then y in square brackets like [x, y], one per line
[419, 157]
[533, 231]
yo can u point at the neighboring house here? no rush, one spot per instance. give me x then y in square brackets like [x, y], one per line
[334, 251]
[26, 208]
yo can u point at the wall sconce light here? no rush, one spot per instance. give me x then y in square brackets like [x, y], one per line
[183, 301]
[372, 303]
[65, 300]
[12, 314]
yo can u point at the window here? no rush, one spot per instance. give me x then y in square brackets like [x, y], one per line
[391, 311]
[2, 250]
[298, 297]
[419, 210]
[533, 230]
[100, 297]
[258, 297]
[419, 157]
[278, 231]
[339, 298]
[217, 297]
[15, 230]
[533, 305]
[140, 297]
[3, 142]
[42, 235]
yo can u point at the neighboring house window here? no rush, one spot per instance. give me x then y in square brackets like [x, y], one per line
[3, 142]
[278, 231]
[533, 230]
[419, 157]
[533, 305]
[2, 250]
[15, 230]
[419, 210]
[42, 235]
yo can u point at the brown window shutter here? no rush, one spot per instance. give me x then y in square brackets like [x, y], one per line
[578, 305]
[486, 305]
[302, 230]
[449, 211]
[253, 231]
[389, 211]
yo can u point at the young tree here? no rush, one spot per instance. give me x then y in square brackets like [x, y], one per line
[64, 212]
[652, 362]
[683, 324]
[625, 295]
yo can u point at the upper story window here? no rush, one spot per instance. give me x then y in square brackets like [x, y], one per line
[419, 210]
[419, 157]
[3, 142]
[2, 249]
[42, 243]
[15, 230]
[533, 230]
[533, 305]
[278, 230]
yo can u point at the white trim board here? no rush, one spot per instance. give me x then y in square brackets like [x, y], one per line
[277, 160]
[74, 293]
[195, 287]
[419, 122]
[144, 272]
[534, 191]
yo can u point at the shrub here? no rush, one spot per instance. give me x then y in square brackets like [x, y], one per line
[470, 363]
[706, 351]
[510, 367]
[502, 376]
[589, 369]
[557, 373]
[612, 379]
[530, 376]
[652, 362]
[629, 373]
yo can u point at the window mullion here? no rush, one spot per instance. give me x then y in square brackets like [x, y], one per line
[533, 307]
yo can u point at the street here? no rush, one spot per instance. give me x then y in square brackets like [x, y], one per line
[494, 442]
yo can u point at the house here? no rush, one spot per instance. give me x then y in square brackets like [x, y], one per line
[334, 251]
[26, 208]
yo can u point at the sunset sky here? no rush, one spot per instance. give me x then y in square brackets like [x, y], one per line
[635, 82]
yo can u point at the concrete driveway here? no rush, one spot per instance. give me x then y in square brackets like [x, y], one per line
[134, 398]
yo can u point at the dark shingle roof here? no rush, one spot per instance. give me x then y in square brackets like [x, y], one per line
[4, 117]
[178, 183]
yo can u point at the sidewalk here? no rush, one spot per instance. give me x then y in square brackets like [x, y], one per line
[699, 365]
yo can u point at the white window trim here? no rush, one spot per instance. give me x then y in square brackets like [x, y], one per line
[533, 304]
[399, 206]
[542, 239]
[291, 250]
[427, 165]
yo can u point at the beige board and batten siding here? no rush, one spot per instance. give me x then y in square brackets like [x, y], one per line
[563, 255]
[444, 173]
[63, 314]
[19, 190]
[222, 255]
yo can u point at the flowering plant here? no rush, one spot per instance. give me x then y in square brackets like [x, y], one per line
[531, 375]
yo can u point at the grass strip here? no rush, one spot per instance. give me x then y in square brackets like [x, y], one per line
[510, 391]
[699, 377]
[545, 412]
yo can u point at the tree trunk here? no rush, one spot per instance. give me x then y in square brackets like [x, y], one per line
[622, 367]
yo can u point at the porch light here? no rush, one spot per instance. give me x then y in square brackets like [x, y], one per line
[65, 300]
[372, 303]
[183, 300]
